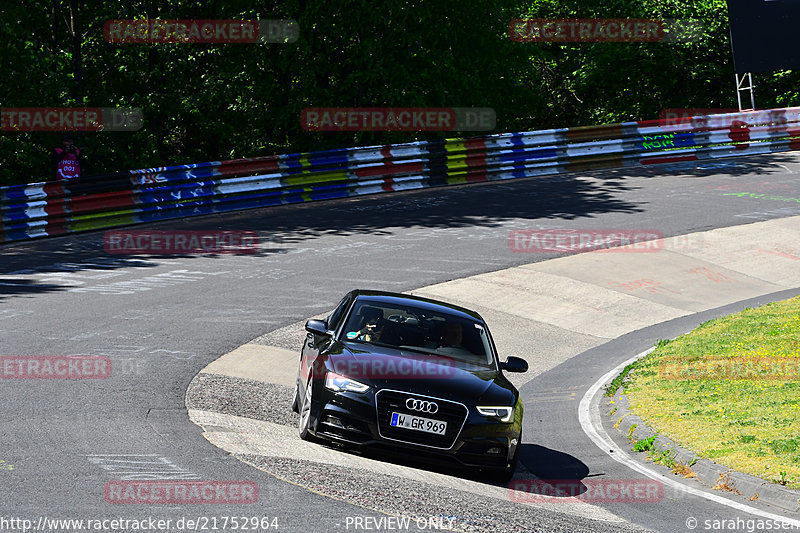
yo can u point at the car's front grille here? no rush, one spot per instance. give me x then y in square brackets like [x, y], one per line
[390, 401]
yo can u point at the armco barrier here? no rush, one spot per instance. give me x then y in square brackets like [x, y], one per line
[96, 202]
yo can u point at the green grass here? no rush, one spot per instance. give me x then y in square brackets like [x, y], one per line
[729, 391]
[612, 388]
[644, 445]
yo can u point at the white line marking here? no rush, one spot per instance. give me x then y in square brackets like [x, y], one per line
[122, 455]
[592, 426]
[370, 281]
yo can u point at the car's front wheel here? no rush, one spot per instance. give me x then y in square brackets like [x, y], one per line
[296, 398]
[305, 415]
[505, 475]
[512, 467]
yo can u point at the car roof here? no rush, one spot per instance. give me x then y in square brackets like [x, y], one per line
[398, 299]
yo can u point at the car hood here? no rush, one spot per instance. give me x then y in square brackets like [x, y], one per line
[390, 368]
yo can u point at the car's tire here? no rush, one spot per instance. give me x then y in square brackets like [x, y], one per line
[512, 467]
[295, 406]
[305, 415]
[505, 475]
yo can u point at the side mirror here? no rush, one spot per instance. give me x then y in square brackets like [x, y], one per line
[318, 327]
[514, 364]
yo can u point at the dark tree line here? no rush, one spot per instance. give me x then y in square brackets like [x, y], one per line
[205, 102]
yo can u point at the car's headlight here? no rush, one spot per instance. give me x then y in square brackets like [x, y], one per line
[505, 414]
[339, 383]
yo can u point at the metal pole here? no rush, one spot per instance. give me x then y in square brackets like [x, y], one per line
[739, 88]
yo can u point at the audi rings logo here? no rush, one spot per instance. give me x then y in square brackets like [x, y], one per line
[422, 405]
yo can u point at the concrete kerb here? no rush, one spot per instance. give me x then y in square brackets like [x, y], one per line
[710, 473]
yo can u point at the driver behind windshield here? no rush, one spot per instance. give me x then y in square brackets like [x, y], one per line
[374, 324]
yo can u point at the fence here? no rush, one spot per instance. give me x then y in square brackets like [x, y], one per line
[146, 195]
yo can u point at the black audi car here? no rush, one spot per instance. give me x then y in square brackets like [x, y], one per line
[410, 375]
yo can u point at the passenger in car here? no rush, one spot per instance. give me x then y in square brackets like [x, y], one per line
[452, 333]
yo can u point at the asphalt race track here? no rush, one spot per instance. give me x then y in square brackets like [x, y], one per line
[161, 319]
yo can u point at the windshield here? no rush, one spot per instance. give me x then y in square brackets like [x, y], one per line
[420, 330]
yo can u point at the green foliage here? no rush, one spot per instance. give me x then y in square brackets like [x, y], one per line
[664, 457]
[787, 446]
[644, 445]
[211, 102]
[612, 388]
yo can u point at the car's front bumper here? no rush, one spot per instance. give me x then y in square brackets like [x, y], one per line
[352, 419]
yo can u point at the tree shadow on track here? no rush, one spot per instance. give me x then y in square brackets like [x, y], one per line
[41, 259]
[281, 229]
[12, 287]
[757, 165]
[483, 205]
[574, 196]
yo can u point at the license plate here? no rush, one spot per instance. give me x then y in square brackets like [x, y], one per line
[418, 423]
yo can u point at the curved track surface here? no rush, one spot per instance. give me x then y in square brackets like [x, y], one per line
[162, 319]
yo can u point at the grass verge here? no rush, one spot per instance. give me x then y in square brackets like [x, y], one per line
[730, 391]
